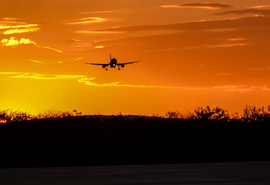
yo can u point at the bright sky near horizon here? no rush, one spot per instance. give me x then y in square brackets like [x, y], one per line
[193, 53]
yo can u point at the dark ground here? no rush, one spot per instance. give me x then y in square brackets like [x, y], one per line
[235, 173]
[118, 140]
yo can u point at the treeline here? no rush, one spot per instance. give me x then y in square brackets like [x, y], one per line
[8, 116]
[250, 113]
[205, 136]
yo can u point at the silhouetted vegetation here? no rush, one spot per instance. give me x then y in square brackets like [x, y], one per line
[250, 114]
[57, 138]
[7, 116]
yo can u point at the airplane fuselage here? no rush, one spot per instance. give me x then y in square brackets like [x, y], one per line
[113, 63]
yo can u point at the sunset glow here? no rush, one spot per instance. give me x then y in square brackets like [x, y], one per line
[193, 53]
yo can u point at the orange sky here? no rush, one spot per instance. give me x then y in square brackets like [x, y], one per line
[194, 53]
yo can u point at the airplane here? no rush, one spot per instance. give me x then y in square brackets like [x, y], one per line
[113, 63]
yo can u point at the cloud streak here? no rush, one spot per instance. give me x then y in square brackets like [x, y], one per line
[12, 23]
[246, 11]
[21, 30]
[235, 23]
[97, 12]
[84, 79]
[14, 42]
[46, 76]
[46, 47]
[85, 20]
[2, 26]
[239, 88]
[90, 82]
[36, 61]
[266, 88]
[9, 73]
[98, 32]
[211, 6]
[223, 33]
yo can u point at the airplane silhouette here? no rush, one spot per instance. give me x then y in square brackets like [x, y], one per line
[113, 63]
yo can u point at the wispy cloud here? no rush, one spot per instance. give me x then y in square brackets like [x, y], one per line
[85, 80]
[236, 39]
[10, 18]
[14, 42]
[221, 25]
[36, 61]
[77, 59]
[14, 26]
[260, 6]
[266, 88]
[221, 30]
[46, 76]
[75, 42]
[240, 88]
[98, 32]
[222, 74]
[13, 23]
[9, 73]
[99, 47]
[90, 82]
[3, 26]
[46, 47]
[225, 33]
[212, 6]
[246, 11]
[21, 30]
[97, 12]
[260, 69]
[237, 88]
[85, 20]
[225, 45]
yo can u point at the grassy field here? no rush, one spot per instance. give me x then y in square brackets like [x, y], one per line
[63, 139]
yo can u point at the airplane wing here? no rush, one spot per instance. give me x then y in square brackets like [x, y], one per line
[97, 64]
[128, 62]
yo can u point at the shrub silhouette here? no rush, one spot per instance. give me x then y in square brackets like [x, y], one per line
[53, 113]
[7, 116]
[207, 113]
[173, 115]
[216, 113]
[251, 113]
[4, 116]
[206, 135]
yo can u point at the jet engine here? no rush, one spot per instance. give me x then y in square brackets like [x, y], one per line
[122, 65]
[103, 66]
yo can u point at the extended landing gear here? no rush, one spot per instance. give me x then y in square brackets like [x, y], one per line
[106, 69]
[119, 68]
